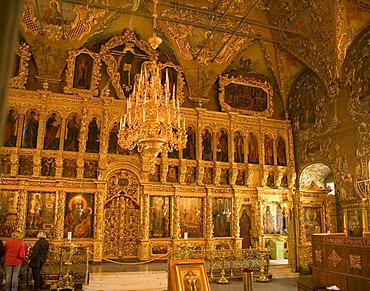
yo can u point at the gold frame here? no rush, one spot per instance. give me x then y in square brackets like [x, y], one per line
[179, 269]
[19, 81]
[71, 71]
[252, 82]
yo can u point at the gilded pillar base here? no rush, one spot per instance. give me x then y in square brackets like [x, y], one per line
[98, 251]
[238, 243]
[144, 250]
[304, 257]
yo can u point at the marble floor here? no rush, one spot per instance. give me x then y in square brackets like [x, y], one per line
[282, 279]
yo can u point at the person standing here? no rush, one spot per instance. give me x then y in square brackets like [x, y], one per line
[1, 249]
[37, 260]
[13, 261]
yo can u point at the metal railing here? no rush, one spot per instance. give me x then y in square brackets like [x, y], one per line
[222, 263]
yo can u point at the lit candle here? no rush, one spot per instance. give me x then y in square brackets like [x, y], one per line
[185, 235]
[124, 122]
[69, 235]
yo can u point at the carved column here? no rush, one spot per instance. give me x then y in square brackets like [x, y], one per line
[208, 221]
[183, 170]
[22, 208]
[59, 165]
[20, 130]
[176, 217]
[144, 247]
[62, 134]
[82, 145]
[60, 206]
[216, 175]
[37, 164]
[200, 173]
[14, 164]
[41, 131]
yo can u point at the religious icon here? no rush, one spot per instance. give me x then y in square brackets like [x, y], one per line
[188, 275]
[269, 155]
[253, 149]
[113, 139]
[93, 137]
[41, 213]
[312, 221]
[79, 215]
[222, 146]
[238, 148]
[52, 15]
[191, 216]
[48, 167]
[207, 153]
[8, 212]
[281, 153]
[172, 175]
[221, 216]
[69, 168]
[155, 176]
[34, 211]
[354, 223]
[159, 216]
[189, 150]
[245, 228]
[240, 177]
[73, 130]
[224, 177]
[30, 130]
[82, 75]
[208, 175]
[5, 164]
[91, 169]
[190, 177]
[272, 219]
[10, 131]
[51, 140]
[25, 165]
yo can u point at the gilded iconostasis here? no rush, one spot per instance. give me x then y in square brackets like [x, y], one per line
[275, 97]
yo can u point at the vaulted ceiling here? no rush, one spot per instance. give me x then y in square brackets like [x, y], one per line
[276, 40]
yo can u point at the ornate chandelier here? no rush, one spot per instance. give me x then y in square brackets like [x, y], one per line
[152, 120]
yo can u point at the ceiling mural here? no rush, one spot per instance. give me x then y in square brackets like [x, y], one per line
[208, 38]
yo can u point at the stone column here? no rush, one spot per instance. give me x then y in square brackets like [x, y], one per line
[9, 18]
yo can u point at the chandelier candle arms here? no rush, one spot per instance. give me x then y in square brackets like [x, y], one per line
[152, 121]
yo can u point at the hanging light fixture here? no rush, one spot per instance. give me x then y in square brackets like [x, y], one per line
[152, 120]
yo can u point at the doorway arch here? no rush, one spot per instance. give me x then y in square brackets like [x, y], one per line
[121, 215]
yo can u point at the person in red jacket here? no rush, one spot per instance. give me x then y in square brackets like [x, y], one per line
[13, 261]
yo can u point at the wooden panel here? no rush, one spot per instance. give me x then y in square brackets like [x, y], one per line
[341, 261]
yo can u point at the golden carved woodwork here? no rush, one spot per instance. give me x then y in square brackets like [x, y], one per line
[334, 258]
[355, 262]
